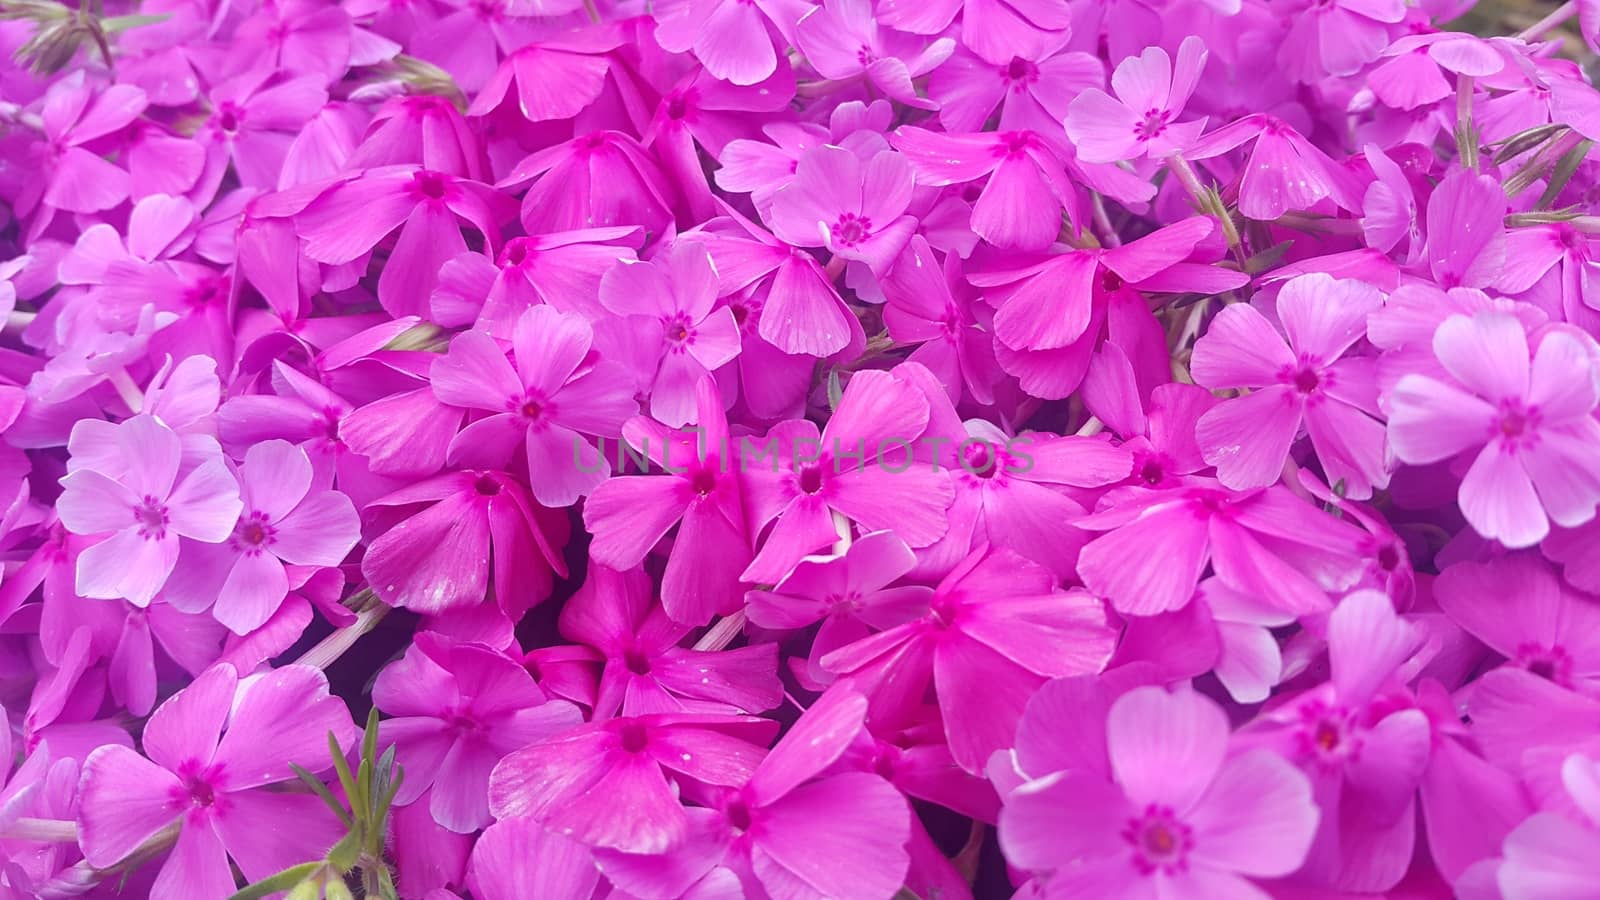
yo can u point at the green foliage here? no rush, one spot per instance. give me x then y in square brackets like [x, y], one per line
[370, 791]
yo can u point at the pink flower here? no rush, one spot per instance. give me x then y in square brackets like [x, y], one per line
[217, 790]
[1178, 815]
[145, 508]
[253, 123]
[1158, 543]
[931, 305]
[806, 478]
[1335, 38]
[645, 669]
[555, 77]
[285, 519]
[854, 208]
[594, 181]
[557, 397]
[791, 828]
[456, 709]
[75, 178]
[731, 38]
[851, 594]
[997, 30]
[1548, 856]
[1025, 195]
[1299, 382]
[1033, 91]
[561, 269]
[1151, 94]
[701, 492]
[982, 665]
[610, 784]
[670, 303]
[1551, 630]
[1528, 416]
[842, 41]
[476, 523]
[1420, 69]
[1284, 171]
[351, 217]
[1363, 747]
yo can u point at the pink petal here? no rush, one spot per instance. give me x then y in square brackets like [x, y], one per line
[862, 854]
[1488, 353]
[281, 716]
[253, 591]
[1498, 500]
[1240, 349]
[1256, 818]
[125, 800]
[518, 858]
[198, 865]
[475, 373]
[815, 742]
[1166, 748]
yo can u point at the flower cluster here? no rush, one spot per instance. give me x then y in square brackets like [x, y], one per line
[784, 449]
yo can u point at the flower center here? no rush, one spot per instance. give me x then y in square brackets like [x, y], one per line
[201, 793]
[1110, 282]
[516, 252]
[228, 116]
[1021, 70]
[679, 331]
[636, 661]
[253, 533]
[633, 737]
[207, 292]
[678, 107]
[1306, 380]
[811, 479]
[703, 480]
[1515, 421]
[1553, 664]
[1155, 122]
[429, 184]
[151, 517]
[851, 229]
[486, 486]
[738, 813]
[1151, 472]
[1160, 842]
[981, 460]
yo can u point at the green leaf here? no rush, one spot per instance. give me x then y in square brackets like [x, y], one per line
[282, 881]
[344, 855]
[321, 790]
[346, 780]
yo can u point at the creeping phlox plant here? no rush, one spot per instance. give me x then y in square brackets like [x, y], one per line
[867, 449]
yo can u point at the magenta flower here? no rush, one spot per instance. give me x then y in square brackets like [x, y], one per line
[1550, 633]
[851, 594]
[1173, 812]
[1142, 120]
[931, 305]
[555, 77]
[597, 180]
[1547, 856]
[476, 523]
[553, 401]
[670, 303]
[285, 519]
[1335, 38]
[997, 30]
[351, 217]
[645, 669]
[1033, 91]
[77, 179]
[610, 783]
[859, 467]
[253, 123]
[799, 312]
[456, 710]
[145, 509]
[733, 39]
[842, 41]
[1284, 171]
[1528, 417]
[217, 789]
[854, 207]
[1158, 543]
[1364, 756]
[562, 269]
[1025, 195]
[982, 670]
[1299, 382]
[701, 493]
[786, 829]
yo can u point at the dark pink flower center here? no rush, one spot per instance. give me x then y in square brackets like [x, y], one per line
[430, 184]
[207, 292]
[229, 116]
[1516, 421]
[636, 661]
[1152, 472]
[1306, 380]
[811, 479]
[151, 517]
[703, 480]
[1021, 70]
[1155, 122]
[1110, 282]
[851, 229]
[517, 252]
[1160, 842]
[678, 330]
[486, 486]
[1550, 663]
[1327, 735]
[1014, 144]
[201, 793]
[738, 813]
[982, 459]
[253, 533]
[680, 105]
[633, 737]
